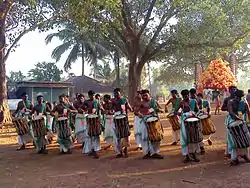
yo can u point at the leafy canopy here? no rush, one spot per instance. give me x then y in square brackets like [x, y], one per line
[45, 72]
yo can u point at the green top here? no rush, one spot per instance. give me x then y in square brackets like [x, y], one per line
[176, 103]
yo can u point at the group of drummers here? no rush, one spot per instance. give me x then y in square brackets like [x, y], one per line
[85, 121]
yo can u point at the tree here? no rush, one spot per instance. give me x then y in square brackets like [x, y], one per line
[13, 78]
[45, 72]
[103, 72]
[17, 18]
[80, 43]
[143, 30]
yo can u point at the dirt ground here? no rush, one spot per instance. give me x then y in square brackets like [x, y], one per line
[25, 169]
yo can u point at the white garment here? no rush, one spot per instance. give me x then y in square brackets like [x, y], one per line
[91, 143]
[147, 145]
[22, 140]
[175, 135]
[137, 130]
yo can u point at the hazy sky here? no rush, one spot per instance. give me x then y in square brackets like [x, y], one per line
[32, 49]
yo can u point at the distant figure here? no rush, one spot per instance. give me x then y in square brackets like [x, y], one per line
[248, 97]
[218, 104]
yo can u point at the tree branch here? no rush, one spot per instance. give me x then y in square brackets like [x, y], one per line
[147, 19]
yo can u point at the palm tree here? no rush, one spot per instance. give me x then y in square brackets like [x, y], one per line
[81, 45]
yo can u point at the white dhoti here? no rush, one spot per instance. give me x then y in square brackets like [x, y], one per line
[147, 145]
[137, 131]
[91, 143]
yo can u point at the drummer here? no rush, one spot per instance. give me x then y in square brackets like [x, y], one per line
[232, 90]
[193, 105]
[23, 110]
[145, 109]
[237, 109]
[40, 109]
[63, 109]
[121, 106]
[175, 101]
[92, 144]
[80, 121]
[204, 107]
[189, 108]
[108, 122]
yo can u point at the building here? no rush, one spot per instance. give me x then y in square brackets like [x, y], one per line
[82, 84]
[49, 90]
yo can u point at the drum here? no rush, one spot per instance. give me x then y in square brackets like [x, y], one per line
[208, 127]
[22, 126]
[94, 126]
[240, 134]
[63, 128]
[174, 121]
[39, 127]
[121, 126]
[155, 130]
[193, 130]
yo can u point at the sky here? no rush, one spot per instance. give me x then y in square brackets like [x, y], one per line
[32, 49]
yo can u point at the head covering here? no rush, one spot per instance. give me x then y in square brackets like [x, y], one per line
[90, 92]
[239, 93]
[184, 92]
[39, 96]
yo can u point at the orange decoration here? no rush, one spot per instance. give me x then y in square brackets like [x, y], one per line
[217, 76]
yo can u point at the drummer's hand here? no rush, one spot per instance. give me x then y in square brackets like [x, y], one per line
[238, 118]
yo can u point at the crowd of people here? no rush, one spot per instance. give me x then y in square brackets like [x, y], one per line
[85, 121]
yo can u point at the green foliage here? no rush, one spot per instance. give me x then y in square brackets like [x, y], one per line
[102, 71]
[80, 43]
[13, 78]
[45, 72]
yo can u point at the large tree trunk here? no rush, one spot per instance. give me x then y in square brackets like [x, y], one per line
[83, 60]
[134, 79]
[117, 66]
[5, 117]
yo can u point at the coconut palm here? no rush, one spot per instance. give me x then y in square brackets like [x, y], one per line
[81, 45]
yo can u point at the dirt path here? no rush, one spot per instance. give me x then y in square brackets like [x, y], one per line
[27, 169]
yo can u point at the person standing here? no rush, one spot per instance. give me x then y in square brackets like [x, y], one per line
[137, 124]
[189, 109]
[232, 90]
[108, 122]
[175, 101]
[40, 110]
[92, 140]
[24, 108]
[238, 109]
[248, 97]
[63, 109]
[147, 109]
[121, 106]
[80, 120]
